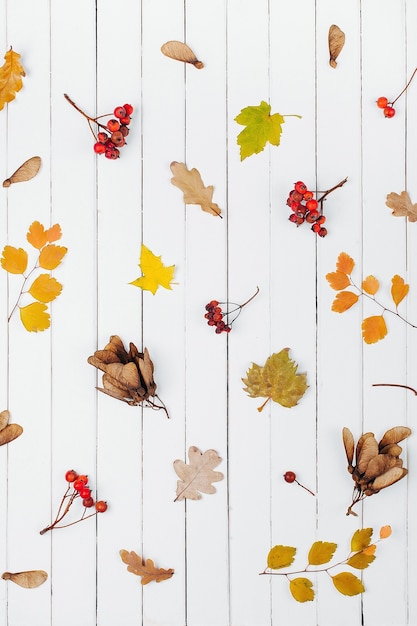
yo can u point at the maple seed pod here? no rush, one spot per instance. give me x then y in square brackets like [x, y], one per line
[179, 51]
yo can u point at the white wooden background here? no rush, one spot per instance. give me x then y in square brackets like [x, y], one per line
[104, 54]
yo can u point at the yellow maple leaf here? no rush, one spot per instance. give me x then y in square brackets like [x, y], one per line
[338, 280]
[10, 77]
[51, 256]
[281, 556]
[14, 260]
[155, 273]
[370, 285]
[345, 263]
[34, 317]
[343, 301]
[302, 589]
[399, 289]
[374, 328]
[45, 288]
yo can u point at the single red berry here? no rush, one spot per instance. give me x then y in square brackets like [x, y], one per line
[217, 317]
[99, 148]
[211, 322]
[71, 475]
[119, 112]
[88, 502]
[118, 139]
[321, 219]
[125, 120]
[85, 492]
[102, 137]
[308, 195]
[289, 477]
[300, 187]
[78, 484]
[316, 227]
[300, 220]
[128, 108]
[389, 111]
[312, 204]
[293, 218]
[227, 329]
[322, 232]
[101, 506]
[301, 211]
[294, 205]
[124, 130]
[220, 324]
[312, 216]
[112, 153]
[382, 102]
[213, 303]
[84, 478]
[113, 125]
[295, 195]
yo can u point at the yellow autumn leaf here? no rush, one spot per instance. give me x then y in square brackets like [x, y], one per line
[399, 289]
[347, 584]
[34, 317]
[370, 549]
[45, 288]
[10, 77]
[54, 233]
[321, 552]
[36, 235]
[361, 560]
[281, 556]
[302, 589]
[374, 328]
[51, 256]
[361, 539]
[370, 285]
[385, 532]
[343, 301]
[338, 280]
[155, 273]
[345, 263]
[14, 260]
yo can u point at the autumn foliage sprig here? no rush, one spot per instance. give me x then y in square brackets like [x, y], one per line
[362, 554]
[374, 328]
[44, 288]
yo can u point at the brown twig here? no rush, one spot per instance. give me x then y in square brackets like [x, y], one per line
[395, 385]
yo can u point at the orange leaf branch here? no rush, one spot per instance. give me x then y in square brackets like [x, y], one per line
[382, 306]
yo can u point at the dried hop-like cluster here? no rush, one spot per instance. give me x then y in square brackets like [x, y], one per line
[378, 465]
[128, 376]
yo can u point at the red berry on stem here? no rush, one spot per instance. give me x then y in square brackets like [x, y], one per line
[289, 477]
[308, 195]
[312, 204]
[389, 111]
[102, 136]
[300, 187]
[322, 232]
[120, 112]
[85, 492]
[128, 108]
[125, 120]
[71, 475]
[113, 125]
[382, 102]
[312, 216]
[99, 148]
[84, 478]
[88, 502]
[78, 484]
[101, 506]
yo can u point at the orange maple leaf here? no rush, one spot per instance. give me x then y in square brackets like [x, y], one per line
[343, 301]
[14, 260]
[51, 256]
[34, 317]
[399, 289]
[370, 285]
[345, 263]
[10, 77]
[374, 328]
[338, 280]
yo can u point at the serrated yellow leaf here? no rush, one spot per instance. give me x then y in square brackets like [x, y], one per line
[343, 301]
[347, 584]
[281, 556]
[361, 539]
[14, 260]
[45, 288]
[385, 532]
[302, 589]
[374, 328]
[399, 289]
[10, 77]
[51, 256]
[345, 263]
[321, 552]
[155, 273]
[36, 235]
[34, 317]
[361, 560]
[54, 233]
[338, 280]
[370, 549]
[370, 285]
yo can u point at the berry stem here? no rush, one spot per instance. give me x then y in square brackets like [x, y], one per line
[88, 117]
[326, 193]
[405, 88]
[251, 298]
[395, 385]
[306, 488]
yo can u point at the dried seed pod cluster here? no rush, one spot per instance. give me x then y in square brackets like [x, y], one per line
[128, 376]
[378, 465]
[8, 432]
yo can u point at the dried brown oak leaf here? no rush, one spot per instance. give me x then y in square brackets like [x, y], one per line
[128, 376]
[8, 432]
[402, 205]
[179, 51]
[191, 184]
[198, 475]
[377, 464]
[25, 172]
[336, 43]
[145, 569]
[29, 580]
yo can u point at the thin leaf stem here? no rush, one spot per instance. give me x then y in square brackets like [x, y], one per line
[405, 88]
[384, 308]
[22, 289]
[395, 385]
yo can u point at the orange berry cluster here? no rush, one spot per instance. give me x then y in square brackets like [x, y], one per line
[305, 208]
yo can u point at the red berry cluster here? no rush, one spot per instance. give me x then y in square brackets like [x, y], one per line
[77, 488]
[114, 136]
[223, 320]
[383, 103]
[306, 209]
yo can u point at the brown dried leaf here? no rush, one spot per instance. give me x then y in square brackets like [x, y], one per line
[4, 419]
[402, 205]
[392, 448]
[10, 432]
[349, 444]
[29, 579]
[377, 466]
[360, 443]
[336, 43]
[394, 435]
[191, 184]
[179, 51]
[25, 172]
[368, 451]
[198, 475]
[145, 569]
[390, 477]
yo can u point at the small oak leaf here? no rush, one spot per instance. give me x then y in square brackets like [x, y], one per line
[51, 256]
[345, 263]
[385, 532]
[192, 186]
[374, 328]
[34, 317]
[399, 289]
[361, 539]
[361, 560]
[343, 301]
[281, 556]
[45, 288]
[321, 552]
[14, 260]
[36, 235]
[145, 569]
[198, 475]
[348, 584]
[10, 77]
[338, 280]
[402, 205]
[302, 589]
[155, 273]
[370, 285]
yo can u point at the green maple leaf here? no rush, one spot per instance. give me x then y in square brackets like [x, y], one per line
[261, 127]
[277, 380]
